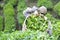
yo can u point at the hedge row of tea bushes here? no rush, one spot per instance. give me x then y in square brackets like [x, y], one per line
[27, 35]
[46, 3]
[21, 6]
[57, 8]
[9, 16]
[55, 24]
[9, 13]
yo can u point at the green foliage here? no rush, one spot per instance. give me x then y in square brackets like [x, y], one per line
[56, 28]
[50, 17]
[12, 2]
[57, 8]
[8, 9]
[21, 6]
[55, 24]
[9, 13]
[6, 1]
[37, 23]
[0, 23]
[27, 35]
[46, 3]
[36, 26]
[9, 16]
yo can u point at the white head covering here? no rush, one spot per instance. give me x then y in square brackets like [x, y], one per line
[34, 8]
[26, 12]
[43, 9]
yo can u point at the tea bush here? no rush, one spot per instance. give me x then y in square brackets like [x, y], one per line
[1, 23]
[57, 8]
[55, 24]
[21, 6]
[46, 3]
[9, 16]
[12, 2]
[37, 23]
[27, 35]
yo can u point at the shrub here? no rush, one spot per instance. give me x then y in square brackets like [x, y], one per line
[55, 24]
[37, 23]
[9, 16]
[12, 2]
[57, 8]
[46, 3]
[27, 35]
[1, 23]
[21, 6]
